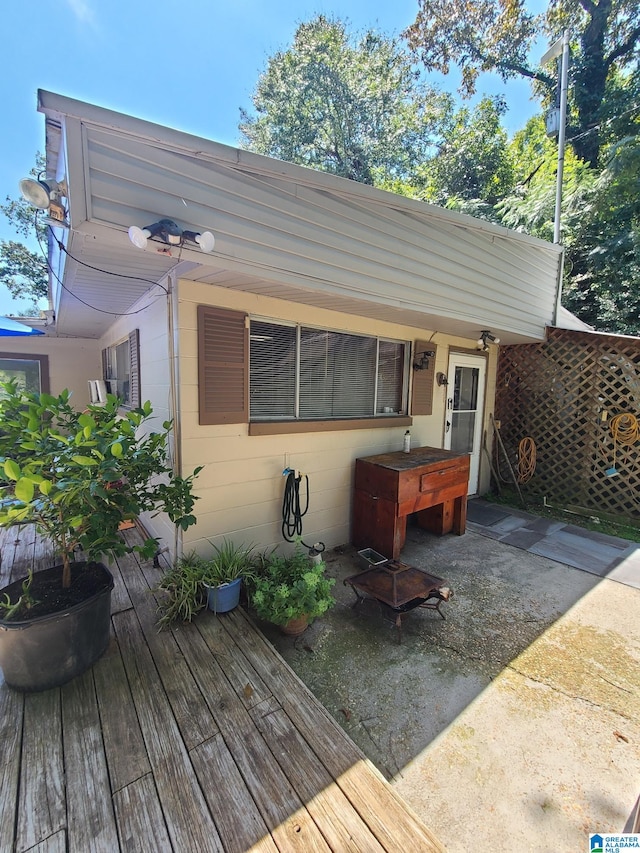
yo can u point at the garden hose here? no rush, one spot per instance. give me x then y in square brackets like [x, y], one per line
[292, 512]
[625, 430]
[526, 459]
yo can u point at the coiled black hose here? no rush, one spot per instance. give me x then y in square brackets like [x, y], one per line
[292, 512]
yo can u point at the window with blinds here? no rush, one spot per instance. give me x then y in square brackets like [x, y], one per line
[121, 368]
[297, 372]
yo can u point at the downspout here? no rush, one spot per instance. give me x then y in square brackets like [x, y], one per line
[173, 331]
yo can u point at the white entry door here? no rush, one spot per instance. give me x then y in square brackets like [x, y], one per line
[465, 406]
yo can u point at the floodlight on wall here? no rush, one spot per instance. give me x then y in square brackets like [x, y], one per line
[169, 232]
[206, 240]
[421, 359]
[485, 338]
[46, 195]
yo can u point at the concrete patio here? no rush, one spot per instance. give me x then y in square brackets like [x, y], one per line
[514, 724]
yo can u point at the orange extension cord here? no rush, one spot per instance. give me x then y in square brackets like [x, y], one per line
[526, 459]
[625, 429]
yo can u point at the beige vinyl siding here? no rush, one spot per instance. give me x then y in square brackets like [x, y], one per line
[241, 485]
[330, 237]
[149, 317]
[72, 362]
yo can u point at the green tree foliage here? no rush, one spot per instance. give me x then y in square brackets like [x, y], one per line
[473, 162]
[530, 205]
[600, 224]
[603, 249]
[356, 108]
[499, 35]
[22, 271]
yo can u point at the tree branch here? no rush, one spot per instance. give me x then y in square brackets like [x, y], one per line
[540, 76]
[623, 48]
[588, 6]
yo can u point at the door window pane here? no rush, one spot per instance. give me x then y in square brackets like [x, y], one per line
[465, 392]
[463, 424]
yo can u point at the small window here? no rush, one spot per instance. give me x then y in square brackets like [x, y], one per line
[121, 370]
[30, 371]
[303, 373]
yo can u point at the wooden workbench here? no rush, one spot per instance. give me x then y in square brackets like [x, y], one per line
[428, 481]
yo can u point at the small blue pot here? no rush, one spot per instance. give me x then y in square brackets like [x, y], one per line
[222, 599]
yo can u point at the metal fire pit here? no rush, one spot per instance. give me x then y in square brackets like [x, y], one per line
[401, 588]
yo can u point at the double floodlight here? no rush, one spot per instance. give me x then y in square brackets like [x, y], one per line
[171, 234]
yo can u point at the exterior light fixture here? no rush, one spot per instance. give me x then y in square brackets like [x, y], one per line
[46, 195]
[41, 193]
[441, 378]
[169, 232]
[485, 338]
[206, 240]
[421, 359]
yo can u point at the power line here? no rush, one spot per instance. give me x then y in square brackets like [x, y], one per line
[63, 248]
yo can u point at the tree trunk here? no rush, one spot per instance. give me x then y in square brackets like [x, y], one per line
[590, 77]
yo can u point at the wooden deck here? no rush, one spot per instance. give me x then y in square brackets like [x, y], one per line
[195, 739]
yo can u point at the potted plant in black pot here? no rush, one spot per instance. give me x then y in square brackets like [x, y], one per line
[76, 475]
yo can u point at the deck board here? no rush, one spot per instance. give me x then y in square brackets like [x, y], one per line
[53, 844]
[232, 806]
[190, 710]
[91, 822]
[188, 820]
[264, 779]
[198, 738]
[42, 803]
[124, 746]
[141, 824]
[11, 717]
[343, 828]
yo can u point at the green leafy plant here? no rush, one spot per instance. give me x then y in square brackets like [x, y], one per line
[286, 587]
[228, 563]
[186, 583]
[78, 474]
[9, 608]
[185, 594]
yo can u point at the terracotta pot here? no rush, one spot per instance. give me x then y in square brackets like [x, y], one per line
[295, 627]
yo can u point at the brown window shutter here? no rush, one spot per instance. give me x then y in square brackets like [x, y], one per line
[223, 366]
[134, 369]
[422, 388]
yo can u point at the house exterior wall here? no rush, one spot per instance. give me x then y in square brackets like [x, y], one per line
[241, 485]
[72, 362]
[150, 317]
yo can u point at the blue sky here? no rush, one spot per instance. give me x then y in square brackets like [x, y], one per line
[185, 65]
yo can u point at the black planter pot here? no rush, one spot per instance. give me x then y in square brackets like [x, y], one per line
[47, 651]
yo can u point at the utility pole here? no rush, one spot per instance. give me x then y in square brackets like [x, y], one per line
[560, 48]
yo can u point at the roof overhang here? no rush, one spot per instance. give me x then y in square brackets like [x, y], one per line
[281, 230]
